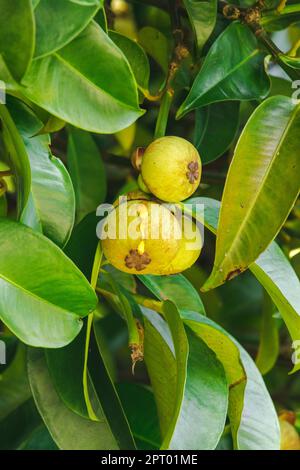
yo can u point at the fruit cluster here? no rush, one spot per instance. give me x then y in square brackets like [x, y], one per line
[148, 235]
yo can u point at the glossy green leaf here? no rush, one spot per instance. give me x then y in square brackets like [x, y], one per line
[140, 408]
[111, 409]
[87, 172]
[136, 57]
[272, 269]
[39, 439]
[274, 21]
[261, 188]
[14, 386]
[293, 62]
[17, 158]
[43, 294]
[51, 206]
[17, 31]
[66, 369]
[52, 124]
[58, 22]
[201, 392]
[68, 430]
[74, 87]
[159, 357]
[253, 418]
[19, 425]
[156, 45]
[175, 288]
[221, 119]
[202, 14]
[269, 339]
[229, 73]
[84, 234]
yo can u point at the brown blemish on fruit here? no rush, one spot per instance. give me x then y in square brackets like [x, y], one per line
[193, 173]
[233, 273]
[136, 260]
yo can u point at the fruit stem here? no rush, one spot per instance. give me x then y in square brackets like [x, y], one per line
[163, 115]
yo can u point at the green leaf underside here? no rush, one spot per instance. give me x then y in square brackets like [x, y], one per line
[255, 203]
[229, 73]
[71, 86]
[43, 294]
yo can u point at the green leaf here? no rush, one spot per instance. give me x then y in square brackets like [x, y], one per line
[66, 369]
[274, 21]
[192, 390]
[17, 158]
[293, 62]
[136, 57]
[17, 31]
[269, 339]
[68, 430]
[221, 119]
[84, 234]
[159, 357]
[18, 426]
[261, 188]
[39, 439]
[57, 23]
[229, 73]
[272, 269]
[85, 92]
[253, 418]
[111, 410]
[14, 390]
[202, 14]
[87, 172]
[139, 405]
[175, 288]
[51, 205]
[156, 45]
[43, 295]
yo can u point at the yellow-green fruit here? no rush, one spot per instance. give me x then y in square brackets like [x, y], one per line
[141, 237]
[171, 168]
[188, 253]
[290, 439]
